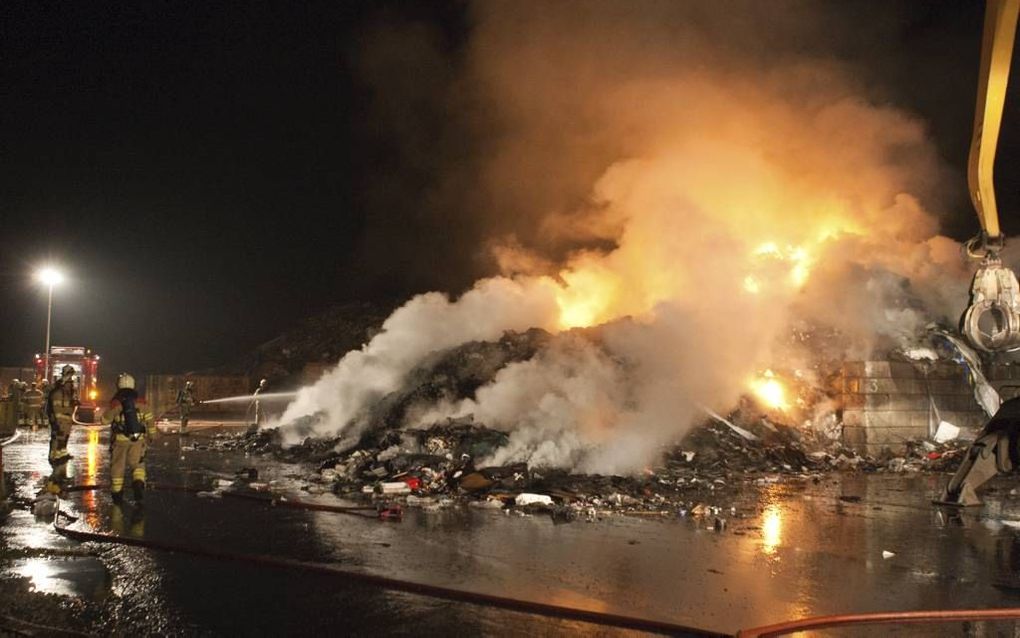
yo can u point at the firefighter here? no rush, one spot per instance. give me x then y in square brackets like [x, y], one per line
[33, 406]
[15, 407]
[257, 404]
[132, 428]
[185, 401]
[60, 406]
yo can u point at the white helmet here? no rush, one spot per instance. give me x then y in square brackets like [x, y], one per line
[125, 381]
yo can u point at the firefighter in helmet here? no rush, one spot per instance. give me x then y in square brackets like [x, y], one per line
[61, 402]
[185, 401]
[132, 428]
[256, 403]
[34, 405]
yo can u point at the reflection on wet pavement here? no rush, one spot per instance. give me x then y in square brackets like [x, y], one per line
[68, 576]
[843, 544]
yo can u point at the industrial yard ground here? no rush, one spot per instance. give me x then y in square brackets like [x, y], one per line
[847, 542]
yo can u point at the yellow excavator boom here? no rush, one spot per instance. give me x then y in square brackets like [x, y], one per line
[996, 54]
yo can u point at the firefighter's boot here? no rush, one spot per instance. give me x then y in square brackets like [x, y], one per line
[118, 498]
[139, 489]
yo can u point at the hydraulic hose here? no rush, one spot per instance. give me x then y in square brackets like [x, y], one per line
[394, 584]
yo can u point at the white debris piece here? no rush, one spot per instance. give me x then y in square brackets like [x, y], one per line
[490, 503]
[920, 354]
[395, 487]
[946, 432]
[886, 554]
[736, 428]
[525, 499]
[984, 393]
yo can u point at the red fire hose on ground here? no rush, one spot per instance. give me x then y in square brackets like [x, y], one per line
[892, 617]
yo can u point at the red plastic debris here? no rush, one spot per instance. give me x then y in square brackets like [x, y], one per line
[413, 482]
[934, 455]
[391, 513]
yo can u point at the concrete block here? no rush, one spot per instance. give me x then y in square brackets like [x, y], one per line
[944, 402]
[855, 437]
[859, 438]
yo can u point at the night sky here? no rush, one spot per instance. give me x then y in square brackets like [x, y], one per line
[209, 174]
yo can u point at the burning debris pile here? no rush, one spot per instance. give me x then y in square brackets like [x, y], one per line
[457, 458]
[703, 475]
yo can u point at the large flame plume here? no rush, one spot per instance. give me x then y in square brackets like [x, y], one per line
[647, 175]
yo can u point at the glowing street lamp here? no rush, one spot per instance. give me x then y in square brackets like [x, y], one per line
[49, 277]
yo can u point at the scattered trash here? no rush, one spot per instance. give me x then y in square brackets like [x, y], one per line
[413, 482]
[739, 430]
[921, 354]
[391, 513]
[396, 487]
[698, 477]
[523, 500]
[886, 554]
[946, 432]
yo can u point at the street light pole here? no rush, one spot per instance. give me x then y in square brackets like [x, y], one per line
[50, 277]
[49, 318]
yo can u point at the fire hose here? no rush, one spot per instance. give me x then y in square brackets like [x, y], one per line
[11, 439]
[897, 617]
[382, 582]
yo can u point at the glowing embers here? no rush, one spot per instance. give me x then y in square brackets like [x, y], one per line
[770, 391]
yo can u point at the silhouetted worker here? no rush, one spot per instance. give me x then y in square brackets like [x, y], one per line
[34, 406]
[15, 395]
[185, 401]
[60, 406]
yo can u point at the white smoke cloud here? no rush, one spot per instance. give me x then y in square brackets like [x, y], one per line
[424, 324]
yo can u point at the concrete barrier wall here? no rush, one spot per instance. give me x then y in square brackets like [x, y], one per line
[887, 403]
[161, 393]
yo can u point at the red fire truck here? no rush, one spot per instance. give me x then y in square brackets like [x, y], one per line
[86, 368]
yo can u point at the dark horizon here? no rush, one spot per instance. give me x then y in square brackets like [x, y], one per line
[208, 176]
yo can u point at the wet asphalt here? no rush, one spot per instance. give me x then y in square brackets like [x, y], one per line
[840, 544]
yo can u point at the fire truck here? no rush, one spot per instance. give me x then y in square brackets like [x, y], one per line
[86, 368]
